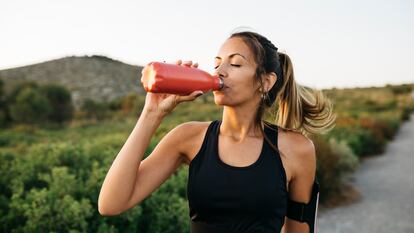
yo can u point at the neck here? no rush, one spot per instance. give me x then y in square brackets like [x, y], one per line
[239, 123]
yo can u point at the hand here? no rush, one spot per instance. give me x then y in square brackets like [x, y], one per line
[164, 104]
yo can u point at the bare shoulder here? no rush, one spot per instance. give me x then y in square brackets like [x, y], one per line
[300, 154]
[192, 133]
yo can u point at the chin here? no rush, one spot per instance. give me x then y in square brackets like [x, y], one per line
[219, 99]
[222, 100]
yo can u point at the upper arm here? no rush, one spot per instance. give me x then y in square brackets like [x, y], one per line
[163, 161]
[300, 186]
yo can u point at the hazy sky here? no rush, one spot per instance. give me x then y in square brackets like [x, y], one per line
[331, 43]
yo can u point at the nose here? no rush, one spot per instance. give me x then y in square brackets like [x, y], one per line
[220, 71]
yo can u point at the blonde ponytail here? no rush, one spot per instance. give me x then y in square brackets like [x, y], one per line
[299, 108]
[302, 109]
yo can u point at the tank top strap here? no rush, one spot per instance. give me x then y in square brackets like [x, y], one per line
[207, 145]
[272, 132]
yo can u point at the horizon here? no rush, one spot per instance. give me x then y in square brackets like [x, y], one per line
[116, 60]
[332, 44]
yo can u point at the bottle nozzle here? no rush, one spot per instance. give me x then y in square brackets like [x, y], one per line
[221, 83]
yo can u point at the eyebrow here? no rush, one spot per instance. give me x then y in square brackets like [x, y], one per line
[232, 55]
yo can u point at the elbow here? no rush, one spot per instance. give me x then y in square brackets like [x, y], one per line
[105, 210]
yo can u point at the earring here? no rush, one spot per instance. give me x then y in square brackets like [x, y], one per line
[265, 96]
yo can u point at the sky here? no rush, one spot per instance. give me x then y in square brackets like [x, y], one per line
[332, 43]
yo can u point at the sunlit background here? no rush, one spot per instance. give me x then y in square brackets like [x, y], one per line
[70, 96]
[332, 43]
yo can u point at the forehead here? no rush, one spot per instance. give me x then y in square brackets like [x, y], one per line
[235, 45]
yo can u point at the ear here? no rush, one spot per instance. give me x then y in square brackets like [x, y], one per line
[269, 81]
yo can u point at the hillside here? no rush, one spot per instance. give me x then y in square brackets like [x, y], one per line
[96, 77]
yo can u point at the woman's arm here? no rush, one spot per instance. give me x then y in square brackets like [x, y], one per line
[129, 180]
[120, 179]
[300, 186]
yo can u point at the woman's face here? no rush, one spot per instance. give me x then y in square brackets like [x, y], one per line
[235, 63]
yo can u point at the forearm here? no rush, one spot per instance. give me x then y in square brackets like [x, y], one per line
[121, 177]
[292, 226]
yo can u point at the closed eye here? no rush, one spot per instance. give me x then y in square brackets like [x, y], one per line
[231, 65]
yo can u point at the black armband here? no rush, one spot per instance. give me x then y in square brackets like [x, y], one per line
[303, 212]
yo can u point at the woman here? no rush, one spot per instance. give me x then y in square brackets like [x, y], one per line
[242, 169]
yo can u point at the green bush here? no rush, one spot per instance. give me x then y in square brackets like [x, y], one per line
[92, 109]
[400, 89]
[60, 102]
[167, 208]
[54, 187]
[406, 112]
[366, 134]
[33, 104]
[55, 207]
[335, 160]
[61, 172]
[1, 89]
[11, 97]
[132, 104]
[3, 117]
[30, 107]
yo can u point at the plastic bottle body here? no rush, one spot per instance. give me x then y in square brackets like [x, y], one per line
[158, 77]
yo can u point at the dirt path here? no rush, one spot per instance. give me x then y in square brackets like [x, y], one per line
[386, 183]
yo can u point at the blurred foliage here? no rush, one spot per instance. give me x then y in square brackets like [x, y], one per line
[335, 161]
[60, 101]
[29, 103]
[3, 114]
[30, 107]
[50, 179]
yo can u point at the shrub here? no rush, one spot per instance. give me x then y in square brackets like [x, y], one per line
[60, 102]
[167, 209]
[54, 187]
[400, 89]
[3, 117]
[30, 107]
[53, 208]
[132, 104]
[1, 88]
[93, 109]
[335, 160]
[11, 98]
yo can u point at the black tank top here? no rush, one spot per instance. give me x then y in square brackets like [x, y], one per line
[225, 199]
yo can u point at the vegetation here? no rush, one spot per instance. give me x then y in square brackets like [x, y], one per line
[50, 177]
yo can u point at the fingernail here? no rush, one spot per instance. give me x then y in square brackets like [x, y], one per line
[199, 94]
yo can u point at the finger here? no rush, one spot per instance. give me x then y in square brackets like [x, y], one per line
[188, 63]
[190, 97]
[195, 65]
[178, 62]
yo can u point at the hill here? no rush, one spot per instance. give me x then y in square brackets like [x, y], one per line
[95, 77]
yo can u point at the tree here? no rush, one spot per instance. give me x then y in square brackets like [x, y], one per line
[60, 102]
[11, 97]
[30, 106]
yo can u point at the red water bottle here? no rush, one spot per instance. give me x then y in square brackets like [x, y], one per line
[159, 77]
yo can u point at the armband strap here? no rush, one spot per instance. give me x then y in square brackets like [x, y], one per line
[303, 212]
